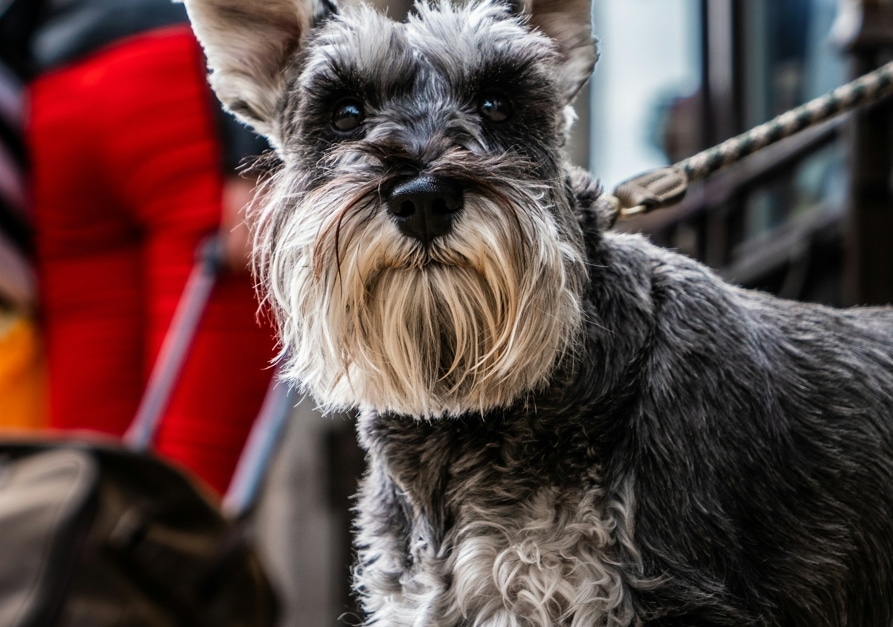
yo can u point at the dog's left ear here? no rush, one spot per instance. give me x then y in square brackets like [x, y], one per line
[569, 23]
[247, 44]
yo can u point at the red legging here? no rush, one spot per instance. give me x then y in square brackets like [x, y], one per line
[127, 180]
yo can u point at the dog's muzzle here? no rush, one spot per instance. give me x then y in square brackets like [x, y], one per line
[426, 206]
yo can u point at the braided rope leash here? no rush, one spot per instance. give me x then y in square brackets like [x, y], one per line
[664, 187]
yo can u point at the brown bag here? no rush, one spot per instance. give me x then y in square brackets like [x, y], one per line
[95, 536]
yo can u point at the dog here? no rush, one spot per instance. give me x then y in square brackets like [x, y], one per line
[564, 425]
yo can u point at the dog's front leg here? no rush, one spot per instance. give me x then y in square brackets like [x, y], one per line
[397, 574]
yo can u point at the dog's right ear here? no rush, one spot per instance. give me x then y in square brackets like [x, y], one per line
[247, 44]
[569, 24]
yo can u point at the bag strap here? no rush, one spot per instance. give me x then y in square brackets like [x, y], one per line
[174, 348]
[259, 449]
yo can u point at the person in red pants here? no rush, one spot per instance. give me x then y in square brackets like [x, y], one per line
[129, 176]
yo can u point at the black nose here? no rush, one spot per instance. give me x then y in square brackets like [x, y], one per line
[426, 206]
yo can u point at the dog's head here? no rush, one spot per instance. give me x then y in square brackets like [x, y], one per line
[417, 243]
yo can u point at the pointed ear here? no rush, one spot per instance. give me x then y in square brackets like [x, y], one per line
[569, 24]
[248, 44]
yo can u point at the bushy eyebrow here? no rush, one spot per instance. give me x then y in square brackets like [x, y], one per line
[467, 55]
[380, 68]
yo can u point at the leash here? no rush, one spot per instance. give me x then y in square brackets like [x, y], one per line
[666, 186]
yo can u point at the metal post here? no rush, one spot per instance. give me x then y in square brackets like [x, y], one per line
[865, 32]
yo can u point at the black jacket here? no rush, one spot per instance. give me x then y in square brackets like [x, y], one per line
[69, 29]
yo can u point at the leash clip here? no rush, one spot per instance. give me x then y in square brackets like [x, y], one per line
[652, 190]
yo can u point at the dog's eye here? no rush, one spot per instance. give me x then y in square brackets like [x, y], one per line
[347, 115]
[495, 107]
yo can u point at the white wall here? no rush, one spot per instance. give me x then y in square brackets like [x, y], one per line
[648, 49]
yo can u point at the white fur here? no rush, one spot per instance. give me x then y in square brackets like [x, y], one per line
[553, 560]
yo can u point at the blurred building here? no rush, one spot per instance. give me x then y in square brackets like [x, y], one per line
[809, 219]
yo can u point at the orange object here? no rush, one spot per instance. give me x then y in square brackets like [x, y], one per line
[23, 394]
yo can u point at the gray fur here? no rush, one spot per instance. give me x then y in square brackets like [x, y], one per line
[564, 425]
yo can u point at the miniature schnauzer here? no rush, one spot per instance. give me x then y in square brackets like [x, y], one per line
[564, 425]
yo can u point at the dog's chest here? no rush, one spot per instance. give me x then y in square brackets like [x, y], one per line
[487, 528]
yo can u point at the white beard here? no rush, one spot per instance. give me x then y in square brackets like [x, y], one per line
[370, 318]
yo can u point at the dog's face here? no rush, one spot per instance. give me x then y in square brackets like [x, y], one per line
[417, 243]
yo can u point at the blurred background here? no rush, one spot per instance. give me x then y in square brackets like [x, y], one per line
[808, 219]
